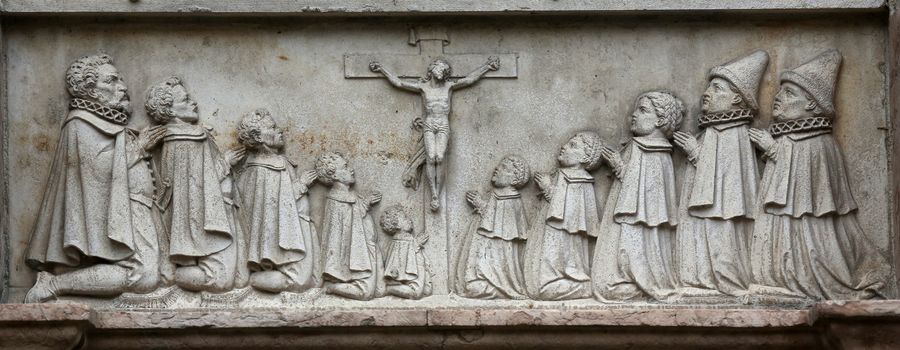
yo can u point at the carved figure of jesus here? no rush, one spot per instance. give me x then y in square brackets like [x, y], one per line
[436, 89]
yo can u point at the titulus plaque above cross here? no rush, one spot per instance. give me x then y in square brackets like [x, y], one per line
[431, 42]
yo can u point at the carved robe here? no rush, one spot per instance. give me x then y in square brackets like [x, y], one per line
[557, 254]
[405, 264]
[280, 233]
[633, 255]
[199, 207]
[97, 203]
[352, 255]
[806, 238]
[490, 264]
[717, 211]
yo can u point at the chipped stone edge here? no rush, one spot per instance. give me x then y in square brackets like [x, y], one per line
[426, 317]
[887, 310]
[4, 171]
[414, 7]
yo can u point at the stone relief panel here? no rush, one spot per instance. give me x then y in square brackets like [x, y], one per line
[222, 215]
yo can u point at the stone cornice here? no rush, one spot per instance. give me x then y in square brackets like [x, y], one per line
[417, 7]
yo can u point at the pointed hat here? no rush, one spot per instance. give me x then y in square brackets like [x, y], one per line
[744, 73]
[818, 77]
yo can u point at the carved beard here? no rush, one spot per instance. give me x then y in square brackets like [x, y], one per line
[123, 105]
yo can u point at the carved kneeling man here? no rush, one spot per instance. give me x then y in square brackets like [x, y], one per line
[96, 220]
[353, 263]
[206, 241]
[283, 243]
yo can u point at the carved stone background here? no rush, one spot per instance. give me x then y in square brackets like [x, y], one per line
[573, 74]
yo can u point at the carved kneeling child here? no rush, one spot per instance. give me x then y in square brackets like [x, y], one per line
[283, 243]
[633, 256]
[490, 265]
[353, 262]
[557, 255]
[405, 269]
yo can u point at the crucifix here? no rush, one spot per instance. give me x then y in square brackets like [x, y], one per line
[429, 74]
[435, 80]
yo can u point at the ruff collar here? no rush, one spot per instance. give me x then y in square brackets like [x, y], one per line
[800, 125]
[726, 117]
[110, 114]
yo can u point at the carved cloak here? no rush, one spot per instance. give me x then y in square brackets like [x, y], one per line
[633, 255]
[349, 244]
[195, 208]
[490, 264]
[557, 255]
[717, 209]
[405, 263]
[86, 210]
[806, 238]
[725, 178]
[276, 211]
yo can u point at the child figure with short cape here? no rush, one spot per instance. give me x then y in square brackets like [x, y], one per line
[353, 263]
[490, 264]
[283, 243]
[557, 254]
[405, 269]
[633, 255]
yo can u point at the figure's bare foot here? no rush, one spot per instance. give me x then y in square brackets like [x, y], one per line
[435, 204]
[42, 290]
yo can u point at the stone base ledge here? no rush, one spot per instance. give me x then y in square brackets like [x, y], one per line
[837, 325]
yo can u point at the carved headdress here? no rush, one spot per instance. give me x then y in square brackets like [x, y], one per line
[745, 74]
[818, 77]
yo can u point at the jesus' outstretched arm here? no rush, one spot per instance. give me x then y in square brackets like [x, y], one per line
[492, 64]
[400, 83]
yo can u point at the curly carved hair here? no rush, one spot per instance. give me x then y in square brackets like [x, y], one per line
[160, 99]
[521, 171]
[448, 70]
[251, 125]
[326, 166]
[592, 146]
[392, 217]
[667, 107]
[82, 75]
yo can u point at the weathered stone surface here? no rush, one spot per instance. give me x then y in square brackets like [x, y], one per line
[832, 324]
[627, 316]
[259, 318]
[43, 326]
[420, 7]
[859, 325]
